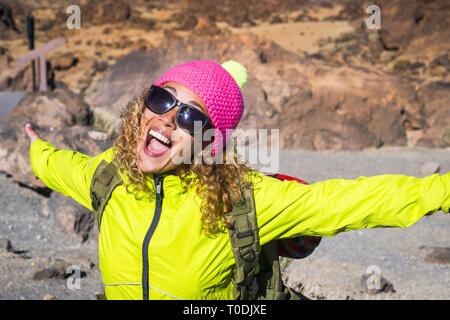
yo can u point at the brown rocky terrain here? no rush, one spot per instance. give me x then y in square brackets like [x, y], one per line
[307, 99]
[316, 72]
[60, 116]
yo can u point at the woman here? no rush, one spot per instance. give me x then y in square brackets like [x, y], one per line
[163, 232]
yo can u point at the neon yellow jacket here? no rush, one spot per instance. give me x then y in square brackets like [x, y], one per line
[183, 263]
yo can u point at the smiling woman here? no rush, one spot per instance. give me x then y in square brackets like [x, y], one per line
[159, 127]
[168, 124]
[210, 230]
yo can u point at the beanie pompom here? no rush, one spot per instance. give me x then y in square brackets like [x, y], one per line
[237, 71]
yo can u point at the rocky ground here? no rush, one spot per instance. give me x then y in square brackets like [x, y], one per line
[37, 249]
[413, 262]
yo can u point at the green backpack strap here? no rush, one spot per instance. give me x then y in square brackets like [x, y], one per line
[106, 178]
[244, 238]
[258, 271]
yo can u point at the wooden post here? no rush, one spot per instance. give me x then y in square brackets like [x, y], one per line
[30, 35]
[40, 53]
[42, 73]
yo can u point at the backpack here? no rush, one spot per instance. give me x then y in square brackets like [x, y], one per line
[257, 273]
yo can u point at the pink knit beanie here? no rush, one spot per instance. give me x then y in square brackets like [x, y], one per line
[218, 86]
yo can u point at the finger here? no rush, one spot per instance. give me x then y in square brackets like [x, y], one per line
[31, 133]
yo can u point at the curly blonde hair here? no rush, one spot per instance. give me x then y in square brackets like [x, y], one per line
[218, 185]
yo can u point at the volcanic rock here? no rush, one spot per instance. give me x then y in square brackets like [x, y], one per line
[240, 13]
[439, 255]
[315, 105]
[102, 12]
[434, 114]
[61, 117]
[404, 21]
[5, 244]
[55, 269]
[76, 220]
[64, 61]
[385, 285]
[429, 168]
[12, 17]
[12, 77]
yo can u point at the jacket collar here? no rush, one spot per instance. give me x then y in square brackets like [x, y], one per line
[171, 183]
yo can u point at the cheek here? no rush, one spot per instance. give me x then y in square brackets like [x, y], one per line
[181, 138]
[182, 143]
[146, 117]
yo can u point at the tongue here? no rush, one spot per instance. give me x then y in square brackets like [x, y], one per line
[156, 146]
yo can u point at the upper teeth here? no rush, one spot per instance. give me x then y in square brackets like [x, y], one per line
[159, 136]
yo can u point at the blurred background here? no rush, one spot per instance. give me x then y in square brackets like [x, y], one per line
[348, 101]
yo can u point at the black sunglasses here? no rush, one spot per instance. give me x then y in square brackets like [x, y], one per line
[160, 101]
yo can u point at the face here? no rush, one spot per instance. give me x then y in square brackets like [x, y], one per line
[161, 140]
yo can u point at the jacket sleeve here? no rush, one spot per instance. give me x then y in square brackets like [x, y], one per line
[288, 209]
[65, 171]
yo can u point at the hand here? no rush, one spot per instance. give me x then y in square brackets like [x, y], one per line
[31, 133]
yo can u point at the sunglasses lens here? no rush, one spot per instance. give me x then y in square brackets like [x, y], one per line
[191, 120]
[159, 101]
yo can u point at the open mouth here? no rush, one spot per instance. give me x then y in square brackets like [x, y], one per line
[156, 143]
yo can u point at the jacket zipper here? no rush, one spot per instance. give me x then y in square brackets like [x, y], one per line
[159, 197]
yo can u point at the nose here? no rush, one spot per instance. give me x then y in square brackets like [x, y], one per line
[168, 119]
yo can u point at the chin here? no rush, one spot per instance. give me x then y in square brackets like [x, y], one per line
[152, 165]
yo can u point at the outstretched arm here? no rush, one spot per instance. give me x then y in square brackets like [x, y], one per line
[65, 171]
[286, 209]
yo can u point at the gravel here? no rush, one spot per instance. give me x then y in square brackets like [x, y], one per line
[36, 239]
[333, 271]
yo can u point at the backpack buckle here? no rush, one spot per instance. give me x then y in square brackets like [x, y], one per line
[243, 235]
[95, 201]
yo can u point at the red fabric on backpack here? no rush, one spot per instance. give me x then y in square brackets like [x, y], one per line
[299, 247]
